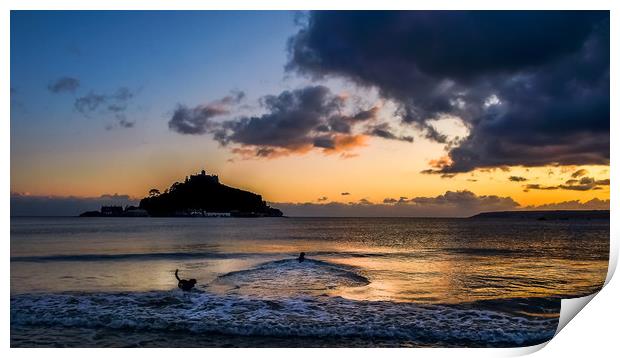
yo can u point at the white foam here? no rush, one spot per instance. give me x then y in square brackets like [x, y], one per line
[303, 316]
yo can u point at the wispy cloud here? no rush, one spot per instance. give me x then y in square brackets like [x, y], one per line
[114, 104]
[64, 84]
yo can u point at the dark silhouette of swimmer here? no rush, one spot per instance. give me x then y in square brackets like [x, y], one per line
[185, 285]
[301, 257]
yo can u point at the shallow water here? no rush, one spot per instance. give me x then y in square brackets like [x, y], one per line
[366, 282]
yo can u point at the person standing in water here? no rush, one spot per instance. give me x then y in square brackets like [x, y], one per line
[301, 257]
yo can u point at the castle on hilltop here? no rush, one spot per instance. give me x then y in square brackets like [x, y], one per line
[203, 176]
[201, 195]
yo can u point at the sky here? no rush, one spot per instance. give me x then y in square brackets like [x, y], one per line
[410, 113]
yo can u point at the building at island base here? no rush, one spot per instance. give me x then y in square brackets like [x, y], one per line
[202, 214]
[117, 211]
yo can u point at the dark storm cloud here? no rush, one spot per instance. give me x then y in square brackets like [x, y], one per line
[517, 178]
[367, 114]
[532, 86]
[64, 84]
[291, 117]
[28, 205]
[323, 142]
[294, 121]
[196, 120]
[193, 120]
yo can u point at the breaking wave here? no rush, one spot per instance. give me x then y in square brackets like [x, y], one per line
[474, 324]
[293, 276]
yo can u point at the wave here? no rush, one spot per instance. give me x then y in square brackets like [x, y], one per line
[475, 324]
[289, 275]
[180, 256]
[215, 255]
[136, 256]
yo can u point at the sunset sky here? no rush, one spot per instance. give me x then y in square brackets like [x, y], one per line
[323, 113]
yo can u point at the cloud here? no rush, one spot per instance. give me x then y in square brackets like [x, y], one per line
[594, 204]
[579, 173]
[528, 187]
[323, 198]
[345, 193]
[367, 114]
[517, 178]
[64, 84]
[383, 130]
[289, 122]
[114, 104]
[450, 204]
[32, 205]
[89, 102]
[196, 120]
[123, 122]
[293, 122]
[532, 87]
[602, 182]
[583, 184]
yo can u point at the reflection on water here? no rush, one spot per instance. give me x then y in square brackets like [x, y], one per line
[412, 260]
[365, 282]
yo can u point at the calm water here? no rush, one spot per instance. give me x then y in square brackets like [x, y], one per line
[367, 282]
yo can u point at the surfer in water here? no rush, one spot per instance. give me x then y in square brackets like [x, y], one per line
[301, 257]
[185, 285]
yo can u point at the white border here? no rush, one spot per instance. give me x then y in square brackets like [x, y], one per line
[595, 328]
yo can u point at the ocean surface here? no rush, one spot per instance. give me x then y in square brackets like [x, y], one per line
[397, 282]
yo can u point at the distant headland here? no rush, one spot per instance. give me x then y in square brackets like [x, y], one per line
[200, 195]
[545, 214]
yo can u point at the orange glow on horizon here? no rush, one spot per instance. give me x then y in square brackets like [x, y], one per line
[380, 169]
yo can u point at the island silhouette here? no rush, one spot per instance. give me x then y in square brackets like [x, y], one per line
[200, 195]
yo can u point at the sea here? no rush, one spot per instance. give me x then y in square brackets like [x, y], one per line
[366, 282]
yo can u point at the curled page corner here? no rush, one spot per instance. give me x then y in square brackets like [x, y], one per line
[569, 309]
[523, 351]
